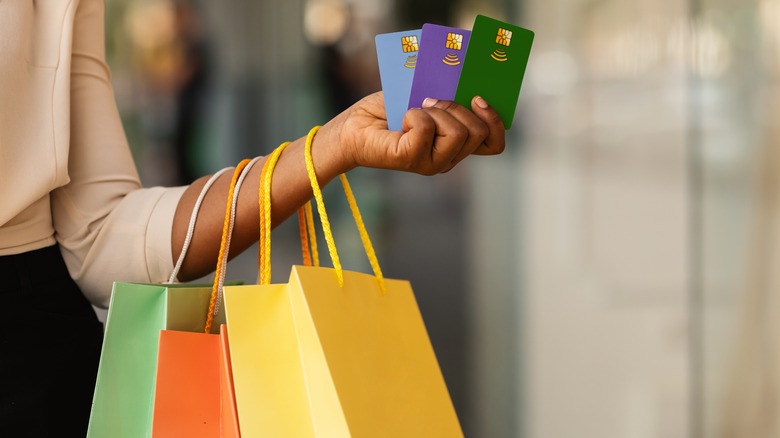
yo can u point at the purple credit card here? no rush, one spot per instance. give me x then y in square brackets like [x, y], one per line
[442, 51]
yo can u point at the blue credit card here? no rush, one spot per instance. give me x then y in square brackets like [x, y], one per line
[397, 56]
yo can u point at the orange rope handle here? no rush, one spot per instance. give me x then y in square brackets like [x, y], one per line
[315, 186]
[305, 251]
[233, 208]
[265, 184]
[232, 225]
[312, 233]
[223, 243]
[363, 233]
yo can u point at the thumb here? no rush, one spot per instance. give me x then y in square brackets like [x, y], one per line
[415, 145]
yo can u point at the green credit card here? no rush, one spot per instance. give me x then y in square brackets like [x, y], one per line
[494, 66]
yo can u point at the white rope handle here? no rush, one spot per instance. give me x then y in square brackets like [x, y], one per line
[191, 227]
[232, 222]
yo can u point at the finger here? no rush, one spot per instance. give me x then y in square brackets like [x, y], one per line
[453, 139]
[477, 129]
[379, 147]
[413, 146]
[438, 140]
[495, 141]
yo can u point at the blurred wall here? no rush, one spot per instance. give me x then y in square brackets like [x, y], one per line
[611, 275]
[601, 223]
[642, 205]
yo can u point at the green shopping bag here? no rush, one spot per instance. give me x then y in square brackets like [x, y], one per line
[123, 403]
[124, 391]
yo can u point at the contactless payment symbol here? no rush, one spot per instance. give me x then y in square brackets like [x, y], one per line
[499, 55]
[504, 38]
[410, 44]
[451, 59]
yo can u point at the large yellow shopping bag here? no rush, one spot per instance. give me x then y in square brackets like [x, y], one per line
[334, 353]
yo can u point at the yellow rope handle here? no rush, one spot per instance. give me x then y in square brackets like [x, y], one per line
[363, 233]
[315, 186]
[305, 218]
[261, 219]
[372, 259]
[265, 238]
[223, 243]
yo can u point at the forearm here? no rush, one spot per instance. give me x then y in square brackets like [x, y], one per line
[434, 139]
[290, 189]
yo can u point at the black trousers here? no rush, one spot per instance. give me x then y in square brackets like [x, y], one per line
[50, 345]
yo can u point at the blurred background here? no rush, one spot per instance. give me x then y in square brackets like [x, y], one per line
[610, 275]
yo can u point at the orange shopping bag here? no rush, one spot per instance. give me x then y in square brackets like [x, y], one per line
[194, 394]
[188, 394]
[228, 413]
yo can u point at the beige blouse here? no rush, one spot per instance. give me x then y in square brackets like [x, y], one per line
[66, 172]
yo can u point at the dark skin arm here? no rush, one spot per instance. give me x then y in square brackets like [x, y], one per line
[434, 139]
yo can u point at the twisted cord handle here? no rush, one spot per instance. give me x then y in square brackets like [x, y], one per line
[191, 227]
[224, 244]
[326, 229]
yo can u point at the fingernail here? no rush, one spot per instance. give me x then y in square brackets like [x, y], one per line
[429, 102]
[482, 103]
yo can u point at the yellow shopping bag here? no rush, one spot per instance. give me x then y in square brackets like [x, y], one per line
[333, 352]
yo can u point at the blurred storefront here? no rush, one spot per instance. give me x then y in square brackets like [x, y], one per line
[611, 275]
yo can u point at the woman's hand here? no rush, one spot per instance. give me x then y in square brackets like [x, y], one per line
[434, 139]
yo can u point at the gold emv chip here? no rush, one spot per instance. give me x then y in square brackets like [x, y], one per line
[504, 37]
[410, 43]
[454, 41]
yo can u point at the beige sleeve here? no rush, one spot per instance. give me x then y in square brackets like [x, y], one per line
[108, 227]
